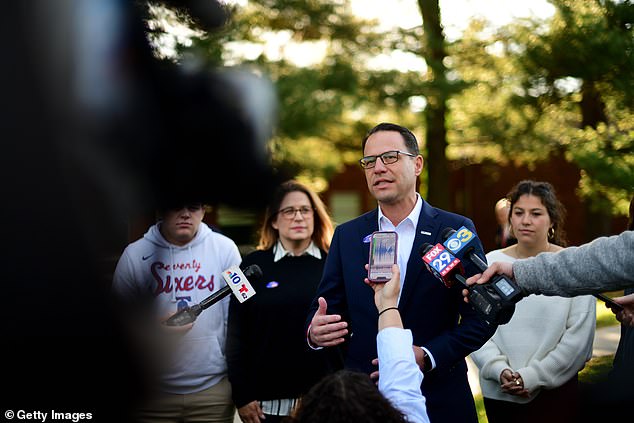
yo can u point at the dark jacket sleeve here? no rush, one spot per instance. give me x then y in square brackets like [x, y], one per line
[332, 286]
[471, 332]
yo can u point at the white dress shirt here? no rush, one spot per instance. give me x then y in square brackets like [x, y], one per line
[406, 230]
[279, 252]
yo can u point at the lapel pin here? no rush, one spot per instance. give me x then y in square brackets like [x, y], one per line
[425, 233]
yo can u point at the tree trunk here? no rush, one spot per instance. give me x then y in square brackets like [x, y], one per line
[593, 113]
[436, 133]
[592, 106]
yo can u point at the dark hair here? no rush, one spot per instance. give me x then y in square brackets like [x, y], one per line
[411, 144]
[556, 210]
[342, 397]
[176, 202]
[322, 232]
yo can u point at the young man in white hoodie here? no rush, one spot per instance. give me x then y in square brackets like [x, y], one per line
[177, 263]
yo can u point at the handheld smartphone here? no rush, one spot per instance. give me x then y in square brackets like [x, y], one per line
[608, 301]
[382, 256]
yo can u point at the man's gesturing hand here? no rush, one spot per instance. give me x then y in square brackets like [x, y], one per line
[327, 330]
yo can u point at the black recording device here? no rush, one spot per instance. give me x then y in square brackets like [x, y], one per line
[189, 314]
[494, 301]
[448, 268]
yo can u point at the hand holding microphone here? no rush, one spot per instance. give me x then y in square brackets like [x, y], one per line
[448, 269]
[495, 302]
[495, 269]
[237, 283]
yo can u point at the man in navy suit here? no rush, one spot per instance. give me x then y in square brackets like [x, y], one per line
[343, 311]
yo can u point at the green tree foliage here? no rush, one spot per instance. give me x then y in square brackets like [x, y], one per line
[561, 86]
[325, 106]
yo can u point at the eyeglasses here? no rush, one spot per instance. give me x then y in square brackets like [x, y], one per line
[290, 212]
[389, 157]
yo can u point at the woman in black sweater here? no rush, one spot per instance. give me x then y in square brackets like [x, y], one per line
[270, 364]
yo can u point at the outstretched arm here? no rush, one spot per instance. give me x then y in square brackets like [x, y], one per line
[605, 264]
[400, 375]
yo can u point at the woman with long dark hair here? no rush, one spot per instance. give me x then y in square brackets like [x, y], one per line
[528, 369]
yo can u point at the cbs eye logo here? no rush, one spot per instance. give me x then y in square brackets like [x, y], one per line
[463, 235]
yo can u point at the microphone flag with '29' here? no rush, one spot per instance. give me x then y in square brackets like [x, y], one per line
[441, 263]
[237, 283]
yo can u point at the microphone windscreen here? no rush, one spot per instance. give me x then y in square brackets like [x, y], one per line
[446, 233]
[424, 248]
[253, 272]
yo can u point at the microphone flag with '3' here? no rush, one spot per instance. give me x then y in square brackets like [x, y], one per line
[496, 300]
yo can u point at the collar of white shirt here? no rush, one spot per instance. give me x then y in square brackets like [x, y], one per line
[386, 225]
[279, 252]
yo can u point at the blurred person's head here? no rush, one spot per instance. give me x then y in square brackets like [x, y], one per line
[502, 211]
[343, 397]
[295, 216]
[391, 162]
[537, 216]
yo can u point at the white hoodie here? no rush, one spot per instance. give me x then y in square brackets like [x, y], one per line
[175, 277]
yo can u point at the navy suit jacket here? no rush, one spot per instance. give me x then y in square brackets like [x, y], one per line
[438, 317]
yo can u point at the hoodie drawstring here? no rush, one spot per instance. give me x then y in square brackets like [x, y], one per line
[172, 274]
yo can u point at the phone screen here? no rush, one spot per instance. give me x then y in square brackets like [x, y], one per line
[382, 256]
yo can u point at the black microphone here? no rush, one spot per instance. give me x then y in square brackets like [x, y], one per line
[448, 269]
[237, 283]
[495, 302]
[462, 243]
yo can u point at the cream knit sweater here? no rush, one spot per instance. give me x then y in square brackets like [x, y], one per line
[547, 341]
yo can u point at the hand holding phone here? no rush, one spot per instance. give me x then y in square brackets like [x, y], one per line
[383, 246]
[613, 305]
